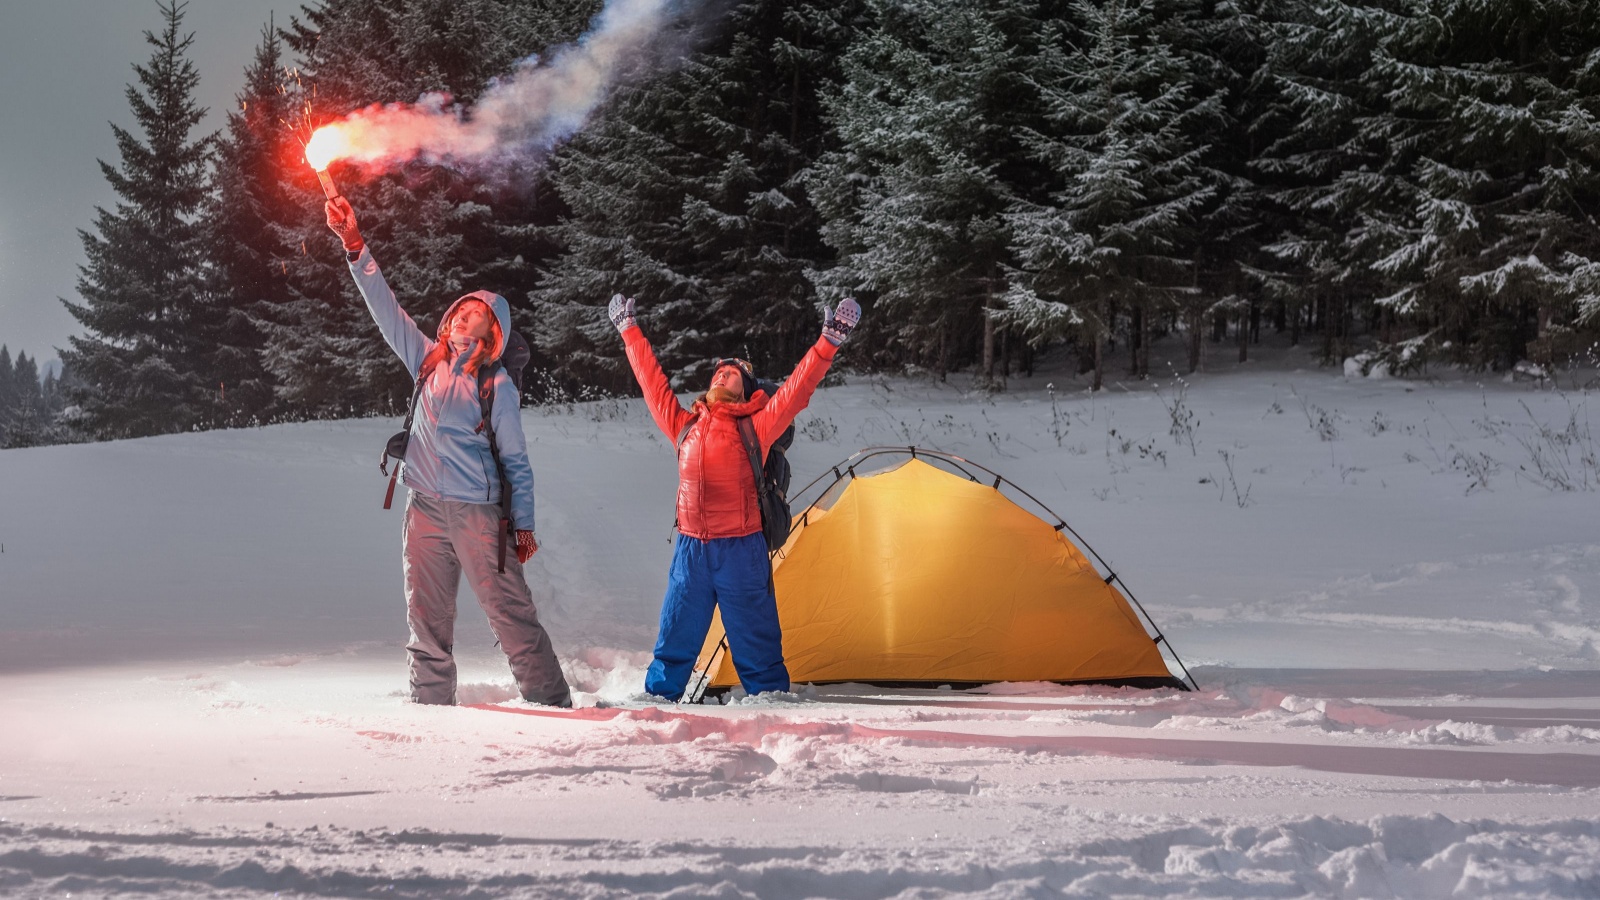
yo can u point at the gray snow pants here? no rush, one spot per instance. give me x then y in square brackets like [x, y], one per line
[443, 538]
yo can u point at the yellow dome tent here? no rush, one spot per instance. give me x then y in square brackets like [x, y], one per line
[927, 573]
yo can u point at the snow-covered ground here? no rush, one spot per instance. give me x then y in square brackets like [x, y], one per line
[1389, 598]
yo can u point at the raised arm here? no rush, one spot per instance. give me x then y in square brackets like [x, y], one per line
[669, 414]
[404, 337]
[793, 394]
[796, 391]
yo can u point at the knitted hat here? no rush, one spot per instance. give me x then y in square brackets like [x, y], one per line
[747, 373]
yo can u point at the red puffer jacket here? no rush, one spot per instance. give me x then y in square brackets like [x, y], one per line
[716, 489]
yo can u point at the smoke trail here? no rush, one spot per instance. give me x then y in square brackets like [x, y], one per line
[531, 109]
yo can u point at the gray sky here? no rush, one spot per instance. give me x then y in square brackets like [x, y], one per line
[64, 65]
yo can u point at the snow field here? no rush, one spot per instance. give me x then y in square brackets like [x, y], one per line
[318, 779]
[1384, 588]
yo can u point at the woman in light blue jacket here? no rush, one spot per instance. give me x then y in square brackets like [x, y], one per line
[453, 516]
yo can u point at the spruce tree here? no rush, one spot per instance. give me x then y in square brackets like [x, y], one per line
[1439, 172]
[1318, 166]
[505, 243]
[251, 209]
[1489, 132]
[143, 284]
[756, 227]
[687, 194]
[59, 401]
[623, 233]
[1223, 48]
[25, 379]
[29, 422]
[50, 388]
[915, 199]
[1119, 230]
[8, 387]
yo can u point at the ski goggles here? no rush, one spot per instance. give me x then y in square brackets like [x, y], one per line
[742, 365]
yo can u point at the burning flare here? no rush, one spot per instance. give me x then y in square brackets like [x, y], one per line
[327, 144]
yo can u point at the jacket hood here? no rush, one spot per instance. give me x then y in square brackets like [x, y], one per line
[502, 315]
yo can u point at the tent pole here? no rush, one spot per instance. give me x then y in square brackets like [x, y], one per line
[1160, 636]
[1062, 525]
[705, 676]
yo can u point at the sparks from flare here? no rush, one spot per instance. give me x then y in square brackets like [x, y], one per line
[320, 146]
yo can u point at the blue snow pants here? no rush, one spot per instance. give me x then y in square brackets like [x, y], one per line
[734, 574]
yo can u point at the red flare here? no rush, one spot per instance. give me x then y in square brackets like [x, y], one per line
[328, 188]
[328, 143]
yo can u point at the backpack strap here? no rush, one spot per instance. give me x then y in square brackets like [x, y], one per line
[486, 396]
[411, 408]
[486, 427]
[752, 448]
[411, 412]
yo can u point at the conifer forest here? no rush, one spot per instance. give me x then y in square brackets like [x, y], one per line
[1405, 182]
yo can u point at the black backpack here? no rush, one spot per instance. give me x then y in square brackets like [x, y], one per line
[772, 478]
[514, 360]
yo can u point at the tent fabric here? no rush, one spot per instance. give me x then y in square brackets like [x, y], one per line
[918, 575]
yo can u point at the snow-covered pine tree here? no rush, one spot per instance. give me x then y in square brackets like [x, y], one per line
[1317, 165]
[1490, 125]
[29, 423]
[1223, 46]
[66, 380]
[143, 285]
[685, 193]
[755, 220]
[8, 387]
[250, 209]
[29, 392]
[621, 181]
[506, 244]
[325, 354]
[1118, 231]
[50, 388]
[1440, 171]
[915, 199]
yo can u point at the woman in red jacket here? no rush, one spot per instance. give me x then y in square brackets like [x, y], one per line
[720, 559]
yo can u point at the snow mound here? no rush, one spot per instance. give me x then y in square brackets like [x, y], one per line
[1458, 734]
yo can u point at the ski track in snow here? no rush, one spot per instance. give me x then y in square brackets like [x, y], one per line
[1397, 653]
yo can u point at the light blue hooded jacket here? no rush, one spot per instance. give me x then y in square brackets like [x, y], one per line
[448, 456]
